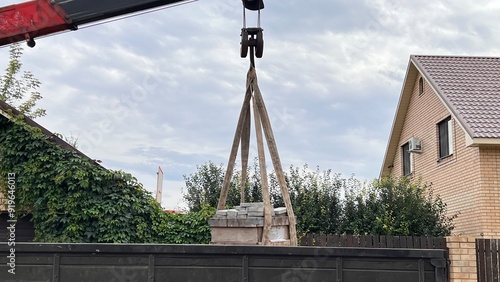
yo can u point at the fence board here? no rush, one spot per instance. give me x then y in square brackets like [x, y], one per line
[363, 241]
[480, 257]
[494, 259]
[322, 240]
[409, 242]
[488, 260]
[303, 241]
[489, 269]
[383, 241]
[376, 241]
[373, 241]
[390, 242]
[347, 241]
[443, 243]
[309, 240]
[397, 241]
[430, 243]
[423, 243]
[333, 240]
[416, 242]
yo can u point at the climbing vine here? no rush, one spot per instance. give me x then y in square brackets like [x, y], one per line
[73, 199]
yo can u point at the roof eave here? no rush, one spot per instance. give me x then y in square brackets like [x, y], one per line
[474, 142]
[8, 112]
[399, 118]
[5, 113]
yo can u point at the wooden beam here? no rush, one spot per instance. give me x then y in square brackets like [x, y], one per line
[245, 148]
[266, 198]
[236, 141]
[273, 151]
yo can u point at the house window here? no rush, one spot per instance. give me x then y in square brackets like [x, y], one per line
[421, 86]
[407, 159]
[445, 129]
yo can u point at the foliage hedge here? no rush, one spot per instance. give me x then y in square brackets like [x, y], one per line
[72, 199]
[324, 202]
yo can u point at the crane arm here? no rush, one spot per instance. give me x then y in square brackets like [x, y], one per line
[36, 18]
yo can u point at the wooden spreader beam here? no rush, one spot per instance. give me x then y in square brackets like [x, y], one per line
[242, 134]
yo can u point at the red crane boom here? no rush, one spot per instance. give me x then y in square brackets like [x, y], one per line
[28, 20]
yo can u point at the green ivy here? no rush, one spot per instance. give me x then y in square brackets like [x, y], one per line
[74, 200]
[190, 228]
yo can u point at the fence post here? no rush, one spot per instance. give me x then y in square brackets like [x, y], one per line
[462, 257]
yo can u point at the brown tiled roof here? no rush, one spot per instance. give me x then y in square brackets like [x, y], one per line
[470, 86]
[470, 89]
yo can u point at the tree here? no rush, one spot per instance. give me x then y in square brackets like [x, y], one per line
[203, 187]
[316, 199]
[397, 207]
[20, 89]
[324, 202]
[315, 195]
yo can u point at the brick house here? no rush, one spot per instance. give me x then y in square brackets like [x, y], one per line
[446, 132]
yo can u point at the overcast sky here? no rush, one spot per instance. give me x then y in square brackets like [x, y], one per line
[165, 88]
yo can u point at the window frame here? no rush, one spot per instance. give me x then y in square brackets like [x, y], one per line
[445, 138]
[420, 86]
[406, 159]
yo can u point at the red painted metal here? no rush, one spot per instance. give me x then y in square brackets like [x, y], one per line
[31, 19]
[175, 211]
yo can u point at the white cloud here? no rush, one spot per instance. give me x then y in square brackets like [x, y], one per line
[166, 88]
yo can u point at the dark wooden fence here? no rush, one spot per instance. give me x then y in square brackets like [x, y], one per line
[25, 232]
[488, 260]
[212, 263]
[373, 241]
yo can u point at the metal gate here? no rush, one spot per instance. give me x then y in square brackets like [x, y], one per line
[200, 263]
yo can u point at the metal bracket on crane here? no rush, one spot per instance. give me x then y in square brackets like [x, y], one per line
[252, 37]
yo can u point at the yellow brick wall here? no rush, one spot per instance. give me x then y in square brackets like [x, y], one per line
[489, 196]
[456, 178]
[462, 256]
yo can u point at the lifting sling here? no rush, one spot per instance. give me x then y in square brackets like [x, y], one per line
[242, 135]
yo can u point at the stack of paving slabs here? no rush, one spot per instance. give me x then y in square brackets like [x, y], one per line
[243, 225]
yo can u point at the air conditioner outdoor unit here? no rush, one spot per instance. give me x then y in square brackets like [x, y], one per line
[415, 145]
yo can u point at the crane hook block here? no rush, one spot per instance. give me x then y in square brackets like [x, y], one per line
[251, 37]
[254, 5]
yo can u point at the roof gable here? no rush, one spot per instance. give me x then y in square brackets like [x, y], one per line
[469, 87]
[399, 118]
